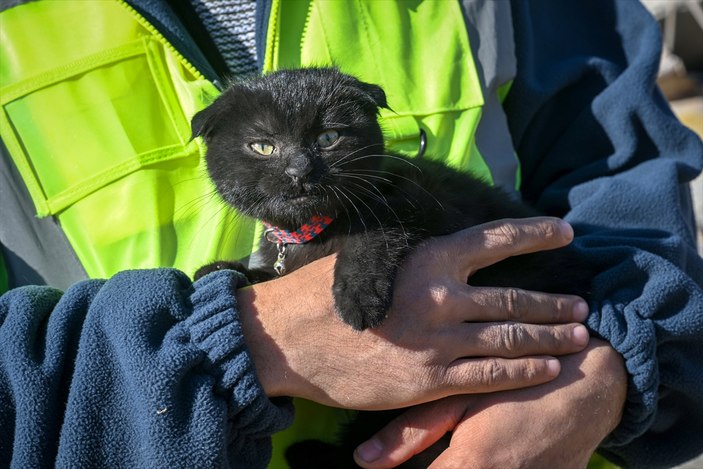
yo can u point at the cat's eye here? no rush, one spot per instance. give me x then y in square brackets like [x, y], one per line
[262, 148]
[327, 138]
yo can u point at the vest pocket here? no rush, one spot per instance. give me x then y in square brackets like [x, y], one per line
[76, 128]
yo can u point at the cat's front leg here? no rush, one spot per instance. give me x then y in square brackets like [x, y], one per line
[364, 276]
[253, 275]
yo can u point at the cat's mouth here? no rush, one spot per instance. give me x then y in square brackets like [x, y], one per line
[299, 198]
[300, 194]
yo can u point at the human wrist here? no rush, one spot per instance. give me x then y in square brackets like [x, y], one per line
[264, 351]
[283, 321]
[602, 359]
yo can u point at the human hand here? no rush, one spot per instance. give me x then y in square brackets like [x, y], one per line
[433, 343]
[558, 424]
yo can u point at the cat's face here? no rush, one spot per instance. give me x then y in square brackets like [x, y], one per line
[293, 144]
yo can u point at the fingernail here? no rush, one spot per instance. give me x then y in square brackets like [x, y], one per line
[580, 335]
[567, 229]
[553, 366]
[370, 450]
[580, 311]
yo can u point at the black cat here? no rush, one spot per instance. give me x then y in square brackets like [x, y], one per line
[302, 150]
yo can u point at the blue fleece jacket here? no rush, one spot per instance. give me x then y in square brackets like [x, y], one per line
[142, 370]
[599, 146]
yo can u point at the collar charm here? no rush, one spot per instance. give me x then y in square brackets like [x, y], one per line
[282, 238]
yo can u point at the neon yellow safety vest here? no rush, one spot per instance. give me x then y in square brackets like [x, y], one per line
[96, 110]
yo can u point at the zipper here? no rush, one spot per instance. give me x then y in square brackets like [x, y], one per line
[167, 44]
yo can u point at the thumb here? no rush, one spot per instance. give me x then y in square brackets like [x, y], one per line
[411, 432]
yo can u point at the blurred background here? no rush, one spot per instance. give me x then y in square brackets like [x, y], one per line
[681, 75]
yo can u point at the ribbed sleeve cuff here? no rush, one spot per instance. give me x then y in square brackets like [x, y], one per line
[215, 329]
[642, 389]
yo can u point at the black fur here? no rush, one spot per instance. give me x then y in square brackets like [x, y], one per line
[383, 204]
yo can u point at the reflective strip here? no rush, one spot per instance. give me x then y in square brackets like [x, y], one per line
[491, 21]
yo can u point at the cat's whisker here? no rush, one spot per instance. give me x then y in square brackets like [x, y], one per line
[341, 202]
[373, 196]
[380, 223]
[325, 195]
[365, 180]
[415, 183]
[340, 161]
[190, 207]
[230, 227]
[384, 180]
[218, 211]
[356, 174]
[361, 216]
[383, 201]
[337, 125]
[202, 201]
[353, 155]
[366, 177]
[198, 177]
[384, 155]
[380, 195]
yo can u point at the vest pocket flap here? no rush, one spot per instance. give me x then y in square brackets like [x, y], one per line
[75, 129]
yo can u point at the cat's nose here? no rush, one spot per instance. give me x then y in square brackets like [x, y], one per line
[298, 171]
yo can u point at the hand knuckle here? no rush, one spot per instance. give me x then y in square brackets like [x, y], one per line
[410, 433]
[509, 233]
[548, 229]
[558, 337]
[501, 234]
[530, 371]
[513, 336]
[513, 304]
[439, 296]
[493, 373]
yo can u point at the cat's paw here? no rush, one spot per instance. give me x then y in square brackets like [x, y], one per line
[219, 265]
[362, 301]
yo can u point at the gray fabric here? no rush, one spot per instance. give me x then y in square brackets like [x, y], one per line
[490, 29]
[161, 15]
[7, 4]
[232, 27]
[35, 250]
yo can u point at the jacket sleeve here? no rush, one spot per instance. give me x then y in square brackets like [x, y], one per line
[142, 370]
[599, 146]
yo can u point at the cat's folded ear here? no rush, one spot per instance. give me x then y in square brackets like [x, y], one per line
[204, 121]
[376, 93]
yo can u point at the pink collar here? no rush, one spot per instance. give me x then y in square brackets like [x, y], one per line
[302, 235]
